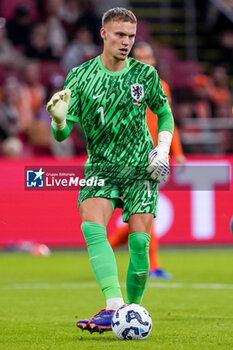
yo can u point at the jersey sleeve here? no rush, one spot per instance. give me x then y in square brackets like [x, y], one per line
[158, 103]
[61, 135]
[74, 108]
[157, 100]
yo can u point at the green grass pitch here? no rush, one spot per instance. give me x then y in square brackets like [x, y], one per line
[42, 298]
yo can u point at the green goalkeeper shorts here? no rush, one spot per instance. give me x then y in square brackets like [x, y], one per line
[131, 196]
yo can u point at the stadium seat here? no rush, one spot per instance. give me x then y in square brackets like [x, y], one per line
[143, 31]
[183, 73]
[166, 56]
[48, 69]
[8, 8]
[167, 53]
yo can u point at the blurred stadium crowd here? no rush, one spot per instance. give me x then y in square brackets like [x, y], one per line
[40, 41]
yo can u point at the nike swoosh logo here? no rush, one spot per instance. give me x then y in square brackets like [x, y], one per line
[97, 96]
[146, 203]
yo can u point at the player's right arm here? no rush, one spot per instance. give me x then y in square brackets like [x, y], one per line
[158, 158]
[64, 108]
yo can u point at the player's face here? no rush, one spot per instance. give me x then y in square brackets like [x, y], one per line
[144, 54]
[119, 37]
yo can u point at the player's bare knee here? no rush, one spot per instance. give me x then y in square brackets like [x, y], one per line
[98, 210]
[141, 222]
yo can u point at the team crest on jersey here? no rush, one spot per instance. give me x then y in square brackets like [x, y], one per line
[137, 91]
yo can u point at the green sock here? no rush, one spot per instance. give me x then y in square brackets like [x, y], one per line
[102, 259]
[138, 268]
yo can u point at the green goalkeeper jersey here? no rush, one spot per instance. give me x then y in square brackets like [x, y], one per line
[111, 108]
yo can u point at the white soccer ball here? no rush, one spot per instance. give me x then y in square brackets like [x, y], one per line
[131, 322]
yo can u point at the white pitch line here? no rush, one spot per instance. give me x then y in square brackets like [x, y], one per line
[83, 285]
[190, 285]
[50, 286]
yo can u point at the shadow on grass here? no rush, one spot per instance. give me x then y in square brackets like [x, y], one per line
[108, 339]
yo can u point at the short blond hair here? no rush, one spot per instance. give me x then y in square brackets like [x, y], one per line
[118, 14]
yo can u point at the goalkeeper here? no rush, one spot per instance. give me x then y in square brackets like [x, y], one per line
[109, 96]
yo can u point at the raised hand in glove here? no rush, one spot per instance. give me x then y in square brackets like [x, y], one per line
[57, 108]
[158, 158]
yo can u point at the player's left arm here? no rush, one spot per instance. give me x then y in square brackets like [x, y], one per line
[159, 158]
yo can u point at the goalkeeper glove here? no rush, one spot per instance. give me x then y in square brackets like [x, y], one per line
[158, 158]
[57, 108]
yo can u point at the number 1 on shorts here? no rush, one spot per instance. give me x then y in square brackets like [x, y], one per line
[147, 183]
